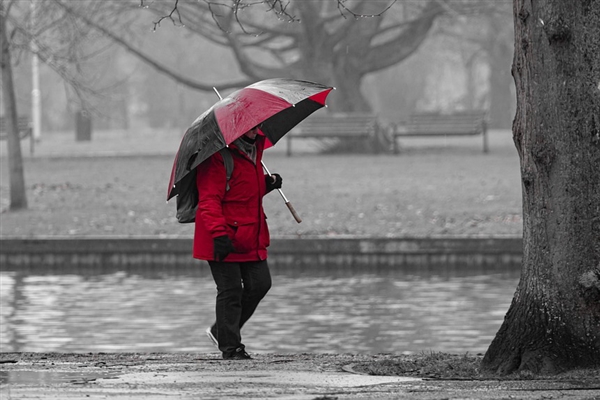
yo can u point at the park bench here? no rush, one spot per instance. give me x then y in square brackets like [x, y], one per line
[463, 123]
[24, 127]
[340, 130]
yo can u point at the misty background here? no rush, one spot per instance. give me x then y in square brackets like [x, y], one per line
[464, 63]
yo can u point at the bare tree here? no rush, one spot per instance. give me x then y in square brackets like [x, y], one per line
[18, 196]
[553, 323]
[61, 42]
[327, 41]
[498, 45]
[113, 28]
[489, 37]
[338, 42]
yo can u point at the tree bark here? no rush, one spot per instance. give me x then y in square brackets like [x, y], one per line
[553, 323]
[16, 177]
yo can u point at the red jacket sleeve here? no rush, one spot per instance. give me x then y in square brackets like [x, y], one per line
[211, 181]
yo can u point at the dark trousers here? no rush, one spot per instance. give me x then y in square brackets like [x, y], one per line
[240, 287]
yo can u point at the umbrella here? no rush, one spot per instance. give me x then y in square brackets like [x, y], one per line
[276, 104]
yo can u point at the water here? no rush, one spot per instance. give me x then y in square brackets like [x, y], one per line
[316, 311]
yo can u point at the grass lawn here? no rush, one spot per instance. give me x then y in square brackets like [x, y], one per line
[431, 188]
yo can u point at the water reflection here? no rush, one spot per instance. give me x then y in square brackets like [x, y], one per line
[312, 311]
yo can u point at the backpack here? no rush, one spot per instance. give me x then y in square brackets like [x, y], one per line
[187, 199]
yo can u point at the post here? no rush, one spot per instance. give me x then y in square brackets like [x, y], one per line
[36, 105]
[485, 138]
[83, 126]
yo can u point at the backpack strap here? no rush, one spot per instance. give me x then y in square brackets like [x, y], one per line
[228, 160]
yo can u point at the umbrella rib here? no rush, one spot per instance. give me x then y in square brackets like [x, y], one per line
[287, 202]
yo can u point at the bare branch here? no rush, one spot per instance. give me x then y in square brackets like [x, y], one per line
[343, 9]
[280, 10]
[169, 16]
[156, 65]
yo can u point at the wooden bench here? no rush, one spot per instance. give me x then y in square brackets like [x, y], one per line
[463, 123]
[360, 129]
[24, 127]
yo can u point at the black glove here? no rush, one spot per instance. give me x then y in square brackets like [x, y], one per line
[222, 247]
[273, 182]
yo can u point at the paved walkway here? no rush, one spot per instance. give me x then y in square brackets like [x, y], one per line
[206, 376]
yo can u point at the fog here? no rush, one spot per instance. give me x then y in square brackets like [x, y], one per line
[446, 73]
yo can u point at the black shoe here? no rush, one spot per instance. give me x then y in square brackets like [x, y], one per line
[237, 354]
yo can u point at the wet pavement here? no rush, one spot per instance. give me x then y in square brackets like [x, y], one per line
[206, 376]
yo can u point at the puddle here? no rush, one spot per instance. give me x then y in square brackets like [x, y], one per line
[50, 378]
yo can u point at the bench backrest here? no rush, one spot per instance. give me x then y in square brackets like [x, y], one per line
[338, 124]
[23, 124]
[464, 122]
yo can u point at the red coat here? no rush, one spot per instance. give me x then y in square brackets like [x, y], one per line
[237, 212]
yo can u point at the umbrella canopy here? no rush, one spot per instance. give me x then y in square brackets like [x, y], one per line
[277, 105]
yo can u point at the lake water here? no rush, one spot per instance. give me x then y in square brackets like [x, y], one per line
[314, 311]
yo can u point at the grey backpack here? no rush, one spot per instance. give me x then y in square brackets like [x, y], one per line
[187, 199]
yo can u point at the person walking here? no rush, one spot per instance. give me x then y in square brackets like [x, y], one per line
[231, 233]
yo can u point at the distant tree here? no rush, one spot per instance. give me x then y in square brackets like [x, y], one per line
[553, 323]
[491, 35]
[328, 41]
[112, 22]
[498, 47]
[332, 41]
[62, 43]
[485, 39]
[18, 196]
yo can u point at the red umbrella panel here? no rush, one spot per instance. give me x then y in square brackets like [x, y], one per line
[277, 105]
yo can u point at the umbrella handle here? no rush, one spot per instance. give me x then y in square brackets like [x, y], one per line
[287, 202]
[291, 208]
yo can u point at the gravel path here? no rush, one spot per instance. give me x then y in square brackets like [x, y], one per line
[204, 376]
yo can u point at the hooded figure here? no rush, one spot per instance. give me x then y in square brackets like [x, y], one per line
[231, 233]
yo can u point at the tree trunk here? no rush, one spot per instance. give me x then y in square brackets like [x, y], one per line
[348, 96]
[553, 323]
[18, 198]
